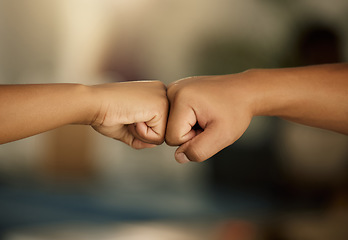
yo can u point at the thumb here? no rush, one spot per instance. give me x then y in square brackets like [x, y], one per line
[145, 133]
[203, 146]
[148, 134]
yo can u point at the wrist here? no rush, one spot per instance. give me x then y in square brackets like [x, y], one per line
[87, 104]
[271, 91]
[246, 89]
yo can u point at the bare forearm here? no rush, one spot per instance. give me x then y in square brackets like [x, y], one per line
[30, 109]
[316, 96]
[224, 105]
[133, 112]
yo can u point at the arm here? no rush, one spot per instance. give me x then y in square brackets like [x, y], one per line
[133, 112]
[316, 95]
[223, 106]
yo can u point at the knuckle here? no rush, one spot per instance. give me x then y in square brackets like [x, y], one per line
[157, 82]
[178, 91]
[159, 140]
[160, 85]
[170, 137]
[171, 91]
[163, 103]
[170, 140]
[182, 92]
[182, 95]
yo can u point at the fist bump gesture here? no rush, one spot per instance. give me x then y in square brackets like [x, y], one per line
[206, 115]
[132, 112]
[201, 115]
[136, 115]
[209, 113]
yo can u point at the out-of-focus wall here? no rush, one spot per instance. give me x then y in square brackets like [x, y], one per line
[80, 41]
[97, 41]
[29, 37]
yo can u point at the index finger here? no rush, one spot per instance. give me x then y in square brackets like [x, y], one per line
[180, 122]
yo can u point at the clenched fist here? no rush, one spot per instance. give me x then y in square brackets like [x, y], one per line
[132, 112]
[206, 115]
[209, 113]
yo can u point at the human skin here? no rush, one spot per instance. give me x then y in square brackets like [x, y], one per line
[132, 112]
[224, 105]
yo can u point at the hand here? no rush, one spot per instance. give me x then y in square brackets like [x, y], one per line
[207, 114]
[132, 112]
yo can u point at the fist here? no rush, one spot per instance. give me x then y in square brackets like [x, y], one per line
[206, 115]
[132, 112]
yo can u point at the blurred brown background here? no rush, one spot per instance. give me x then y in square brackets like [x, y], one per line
[279, 181]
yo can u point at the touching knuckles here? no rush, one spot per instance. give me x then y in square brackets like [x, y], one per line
[170, 138]
[173, 117]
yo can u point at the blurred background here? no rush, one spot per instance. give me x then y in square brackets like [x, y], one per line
[279, 181]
